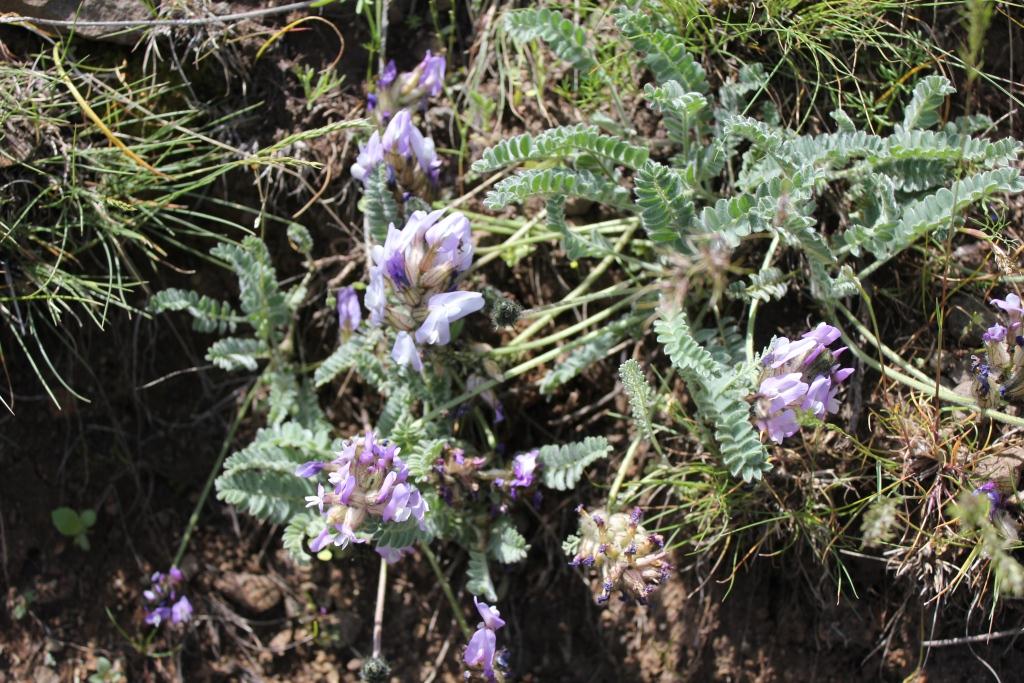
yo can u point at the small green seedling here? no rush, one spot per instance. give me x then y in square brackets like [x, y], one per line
[105, 672]
[74, 525]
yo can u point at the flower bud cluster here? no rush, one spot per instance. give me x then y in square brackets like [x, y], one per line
[524, 474]
[397, 91]
[624, 554]
[1001, 374]
[366, 479]
[413, 279]
[457, 476]
[798, 375]
[409, 156]
[163, 601]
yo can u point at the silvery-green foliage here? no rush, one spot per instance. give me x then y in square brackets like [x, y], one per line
[640, 395]
[719, 392]
[565, 39]
[562, 465]
[479, 574]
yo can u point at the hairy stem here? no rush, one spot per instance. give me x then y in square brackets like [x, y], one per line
[378, 612]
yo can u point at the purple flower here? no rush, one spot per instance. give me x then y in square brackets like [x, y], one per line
[349, 312]
[405, 352]
[444, 309]
[411, 276]
[776, 398]
[803, 352]
[410, 155]
[996, 333]
[392, 555]
[371, 155]
[798, 375]
[387, 77]
[181, 611]
[367, 478]
[996, 500]
[431, 74]
[163, 602]
[1011, 305]
[481, 649]
[524, 468]
[309, 469]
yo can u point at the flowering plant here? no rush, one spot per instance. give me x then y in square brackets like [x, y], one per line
[163, 600]
[413, 280]
[366, 479]
[626, 556]
[1000, 376]
[408, 156]
[800, 375]
[396, 91]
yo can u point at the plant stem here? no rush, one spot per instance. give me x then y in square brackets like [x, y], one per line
[522, 231]
[620, 475]
[926, 386]
[752, 316]
[208, 486]
[582, 288]
[573, 329]
[446, 588]
[378, 612]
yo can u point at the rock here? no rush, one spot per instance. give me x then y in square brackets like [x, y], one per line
[254, 592]
[93, 10]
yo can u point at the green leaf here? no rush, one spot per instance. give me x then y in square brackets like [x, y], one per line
[236, 353]
[560, 143]
[87, 517]
[563, 465]
[929, 94]
[378, 204]
[665, 209]
[479, 574]
[506, 544]
[640, 395]
[209, 315]
[564, 38]
[294, 535]
[559, 182]
[664, 53]
[299, 238]
[67, 522]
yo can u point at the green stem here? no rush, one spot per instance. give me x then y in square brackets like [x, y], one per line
[752, 316]
[520, 369]
[620, 475]
[225, 447]
[924, 386]
[446, 588]
[582, 288]
[569, 331]
[518, 234]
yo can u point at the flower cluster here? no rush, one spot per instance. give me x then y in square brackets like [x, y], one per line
[798, 375]
[413, 279]
[367, 478]
[163, 602]
[396, 91]
[524, 473]
[409, 156]
[1001, 374]
[481, 652]
[457, 476]
[626, 556]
